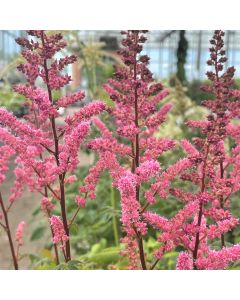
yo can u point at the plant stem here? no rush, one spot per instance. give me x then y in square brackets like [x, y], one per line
[200, 213]
[8, 231]
[154, 265]
[64, 216]
[221, 163]
[54, 245]
[3, 226]
[136, 154]
[46, 191]
[61, 176]
[74, 216]
[222, 203]
[114, 219]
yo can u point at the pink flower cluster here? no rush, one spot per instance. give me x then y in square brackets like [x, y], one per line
[5, 154]
[19, 233]
[46, 205]
[219, 260]
[67, 100]
[58, 230]
[130, 206]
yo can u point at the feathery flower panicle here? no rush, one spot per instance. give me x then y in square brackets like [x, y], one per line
[130, 206]
[219, 260]
[184, 261]
[46, 205]
[191, 151]
[71, 179]
[19, 233]
[131, 151]
[156, 221]
[146, 170]
[68, 156]
[85, 113]
[6, 153]
[40, 98]
[80, 201]
[60, 235]
[67, 100]
[159, 117]
[154, 147]
[161, 187]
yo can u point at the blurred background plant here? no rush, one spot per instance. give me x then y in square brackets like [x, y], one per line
[95, 63]
[8, 98]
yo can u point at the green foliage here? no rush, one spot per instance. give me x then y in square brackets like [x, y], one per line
[8, 98]
[102, 256]
[95, 221]
[11, 100]
[37, 233]
[168, 261]
[43, 261]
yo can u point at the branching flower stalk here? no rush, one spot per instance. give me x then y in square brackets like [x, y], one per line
[7, 229]
[45, 208]
[218, 119]
[131, 152]
[47, 151]
[56, 150]
[214, 174]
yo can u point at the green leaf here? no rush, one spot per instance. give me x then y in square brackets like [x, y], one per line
[73, 265]
[37, 233]
[96, 248]
[74, 228]
[106, 256]
[62, 266]
[36, 211]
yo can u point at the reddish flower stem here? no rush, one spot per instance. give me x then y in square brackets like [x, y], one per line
[46, 192]
[136, 154]
[8, 231]
[222, 202]
[54, 245]
[61, 176]
[200, 213]
[74, 216]
[221, 163]
[154, 265]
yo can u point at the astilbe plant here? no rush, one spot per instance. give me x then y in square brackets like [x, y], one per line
[131, 153]
[46, 153]
[213, 172]
[46, 149]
